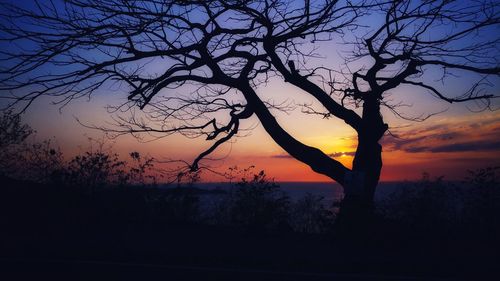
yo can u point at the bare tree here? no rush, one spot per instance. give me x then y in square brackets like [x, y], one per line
[416, 37]
[218, 52]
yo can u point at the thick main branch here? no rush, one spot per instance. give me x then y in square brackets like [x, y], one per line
[315, 158]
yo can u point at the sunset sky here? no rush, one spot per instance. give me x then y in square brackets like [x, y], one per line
[448, 143]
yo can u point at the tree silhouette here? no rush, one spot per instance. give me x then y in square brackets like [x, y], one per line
[12, 135]
[221, 51]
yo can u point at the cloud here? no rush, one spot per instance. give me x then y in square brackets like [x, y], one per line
[391, 143]
[482, 160]
[332, 155]
[281, 156]
[447, 137]
[462, 135]
[474, 126]
[442, 142]
[485, 145]
[340, 154]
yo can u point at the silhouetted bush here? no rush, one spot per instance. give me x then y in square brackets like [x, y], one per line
[482, 200]
[96, 169]
[178, 205]
[310, 215]
[41, 162]
[142, 170]
[468, 208]
[425, 204]
[13, 133]
[255, 203]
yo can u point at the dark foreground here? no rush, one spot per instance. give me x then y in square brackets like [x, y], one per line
[56, 234]
[188, 253]
[90, 270]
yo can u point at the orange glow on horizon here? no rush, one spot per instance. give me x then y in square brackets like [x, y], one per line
[444, 145]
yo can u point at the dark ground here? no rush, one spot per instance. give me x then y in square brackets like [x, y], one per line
[50, 233]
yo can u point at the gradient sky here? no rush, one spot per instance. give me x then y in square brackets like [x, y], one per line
[446, 144]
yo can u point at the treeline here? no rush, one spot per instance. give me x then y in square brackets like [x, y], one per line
[23, 158]
[102, 188]
[467, 209]
[99, 187]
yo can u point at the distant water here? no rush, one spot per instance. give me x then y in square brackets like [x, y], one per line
[296, 190]
[330, 191]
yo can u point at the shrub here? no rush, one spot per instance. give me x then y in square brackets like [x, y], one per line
[432, 206]
[482, 200]
[255, 203]
[426, 204]
[13, 134]
[141, 170]
[42, 162]
[96, 169]
[310, 215]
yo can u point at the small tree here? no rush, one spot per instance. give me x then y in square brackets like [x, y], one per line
[482, 201]
[310, 215]
[13, 133]
[252, 201]
[41, 162]
[96, 168]
[141, 170]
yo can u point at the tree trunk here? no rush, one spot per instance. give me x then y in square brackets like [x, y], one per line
[356, 210]
[360, 184]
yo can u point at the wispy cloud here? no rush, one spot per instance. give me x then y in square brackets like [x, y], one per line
[332, 155]
[486, 145]
[340, 154]
[281, 156]
[446, 137]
